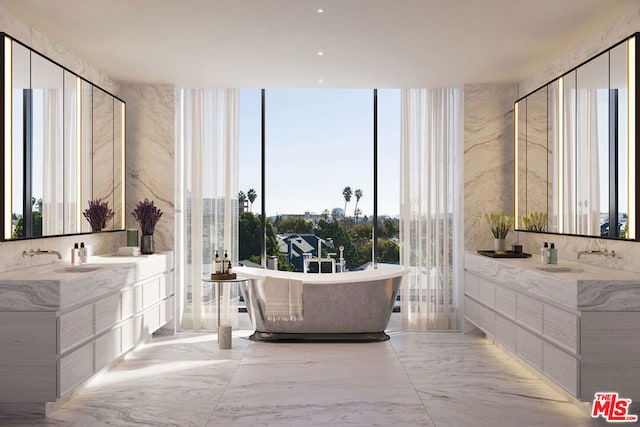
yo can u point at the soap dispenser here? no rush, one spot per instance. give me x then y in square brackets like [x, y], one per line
[75, 254]
[553, 254]
[83, 253]
[544, 253]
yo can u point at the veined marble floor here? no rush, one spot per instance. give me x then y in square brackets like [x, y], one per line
[415, 379]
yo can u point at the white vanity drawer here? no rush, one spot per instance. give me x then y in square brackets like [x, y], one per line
[151, 292]
[530, 348]
[166, 311]
[166, 286]
[128, 301]
[506, 302]
[506, 333]
[76, 327]
[481, 316]
[131, 301]
[130, 333]
[486, 292]
[108, 348]
[562, 368]
[529, 312]
[151, 319]
[107, 312]
[471, 285]
[561, 327]
[75, 367]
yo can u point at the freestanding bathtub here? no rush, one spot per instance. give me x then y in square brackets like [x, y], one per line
[349, 306]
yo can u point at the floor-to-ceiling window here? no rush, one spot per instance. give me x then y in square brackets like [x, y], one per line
[306, 170]
[318, 177]
[389, 121]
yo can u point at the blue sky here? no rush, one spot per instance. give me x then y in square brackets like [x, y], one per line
[319, 141]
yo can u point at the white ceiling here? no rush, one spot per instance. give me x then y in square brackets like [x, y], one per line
[275, 43]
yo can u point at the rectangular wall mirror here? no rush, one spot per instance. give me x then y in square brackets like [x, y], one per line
[575, 149]
[64, 145]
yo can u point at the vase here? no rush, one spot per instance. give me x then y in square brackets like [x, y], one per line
[146, 244]
[500, 246]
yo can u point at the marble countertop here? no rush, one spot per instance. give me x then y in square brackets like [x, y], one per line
[57, 286]
[574, 285]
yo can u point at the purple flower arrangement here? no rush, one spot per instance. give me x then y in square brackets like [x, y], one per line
[98, 214]
[147, 215]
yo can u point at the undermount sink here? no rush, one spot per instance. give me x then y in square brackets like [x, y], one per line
[560, 269]
[77, 269]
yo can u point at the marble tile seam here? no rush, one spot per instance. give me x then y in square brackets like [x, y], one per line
[413, 385]
[226, 387]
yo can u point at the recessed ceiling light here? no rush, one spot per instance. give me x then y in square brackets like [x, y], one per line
[320, 81]
[320, 10]
[320, 53]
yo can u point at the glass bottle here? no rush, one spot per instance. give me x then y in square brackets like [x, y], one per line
[216, 264]
[225, 263]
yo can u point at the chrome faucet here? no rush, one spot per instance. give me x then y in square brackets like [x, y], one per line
[604, 252]
[41, 252]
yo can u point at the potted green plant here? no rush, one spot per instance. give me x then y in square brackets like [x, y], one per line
[98, 214]
[500, 224]
[147, 216]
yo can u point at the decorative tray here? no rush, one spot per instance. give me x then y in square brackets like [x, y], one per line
[223, 276]
[508, 254]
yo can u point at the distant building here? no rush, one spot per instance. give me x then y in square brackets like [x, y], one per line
[295, 246]
[243, 206]
[312, 217]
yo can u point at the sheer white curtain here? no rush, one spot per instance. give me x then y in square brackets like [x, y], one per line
[431, 208]
[206, 202]
[52, 166]
[590, 116]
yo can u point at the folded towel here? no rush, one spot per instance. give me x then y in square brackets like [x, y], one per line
[129, 251]
[296, 310]
[283, 299]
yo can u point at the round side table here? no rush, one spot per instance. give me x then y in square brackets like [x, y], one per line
[225, 342]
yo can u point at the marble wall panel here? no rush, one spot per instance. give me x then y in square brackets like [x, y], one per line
[43, 44]
[598, 42]
[488, 159]
[14, 27]
[150, 155]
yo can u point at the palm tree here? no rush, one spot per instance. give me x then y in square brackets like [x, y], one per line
[358, 195]
[252, 195]
[347, 198]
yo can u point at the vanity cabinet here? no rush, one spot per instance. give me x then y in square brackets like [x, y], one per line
[584, 335]
[48, 353]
